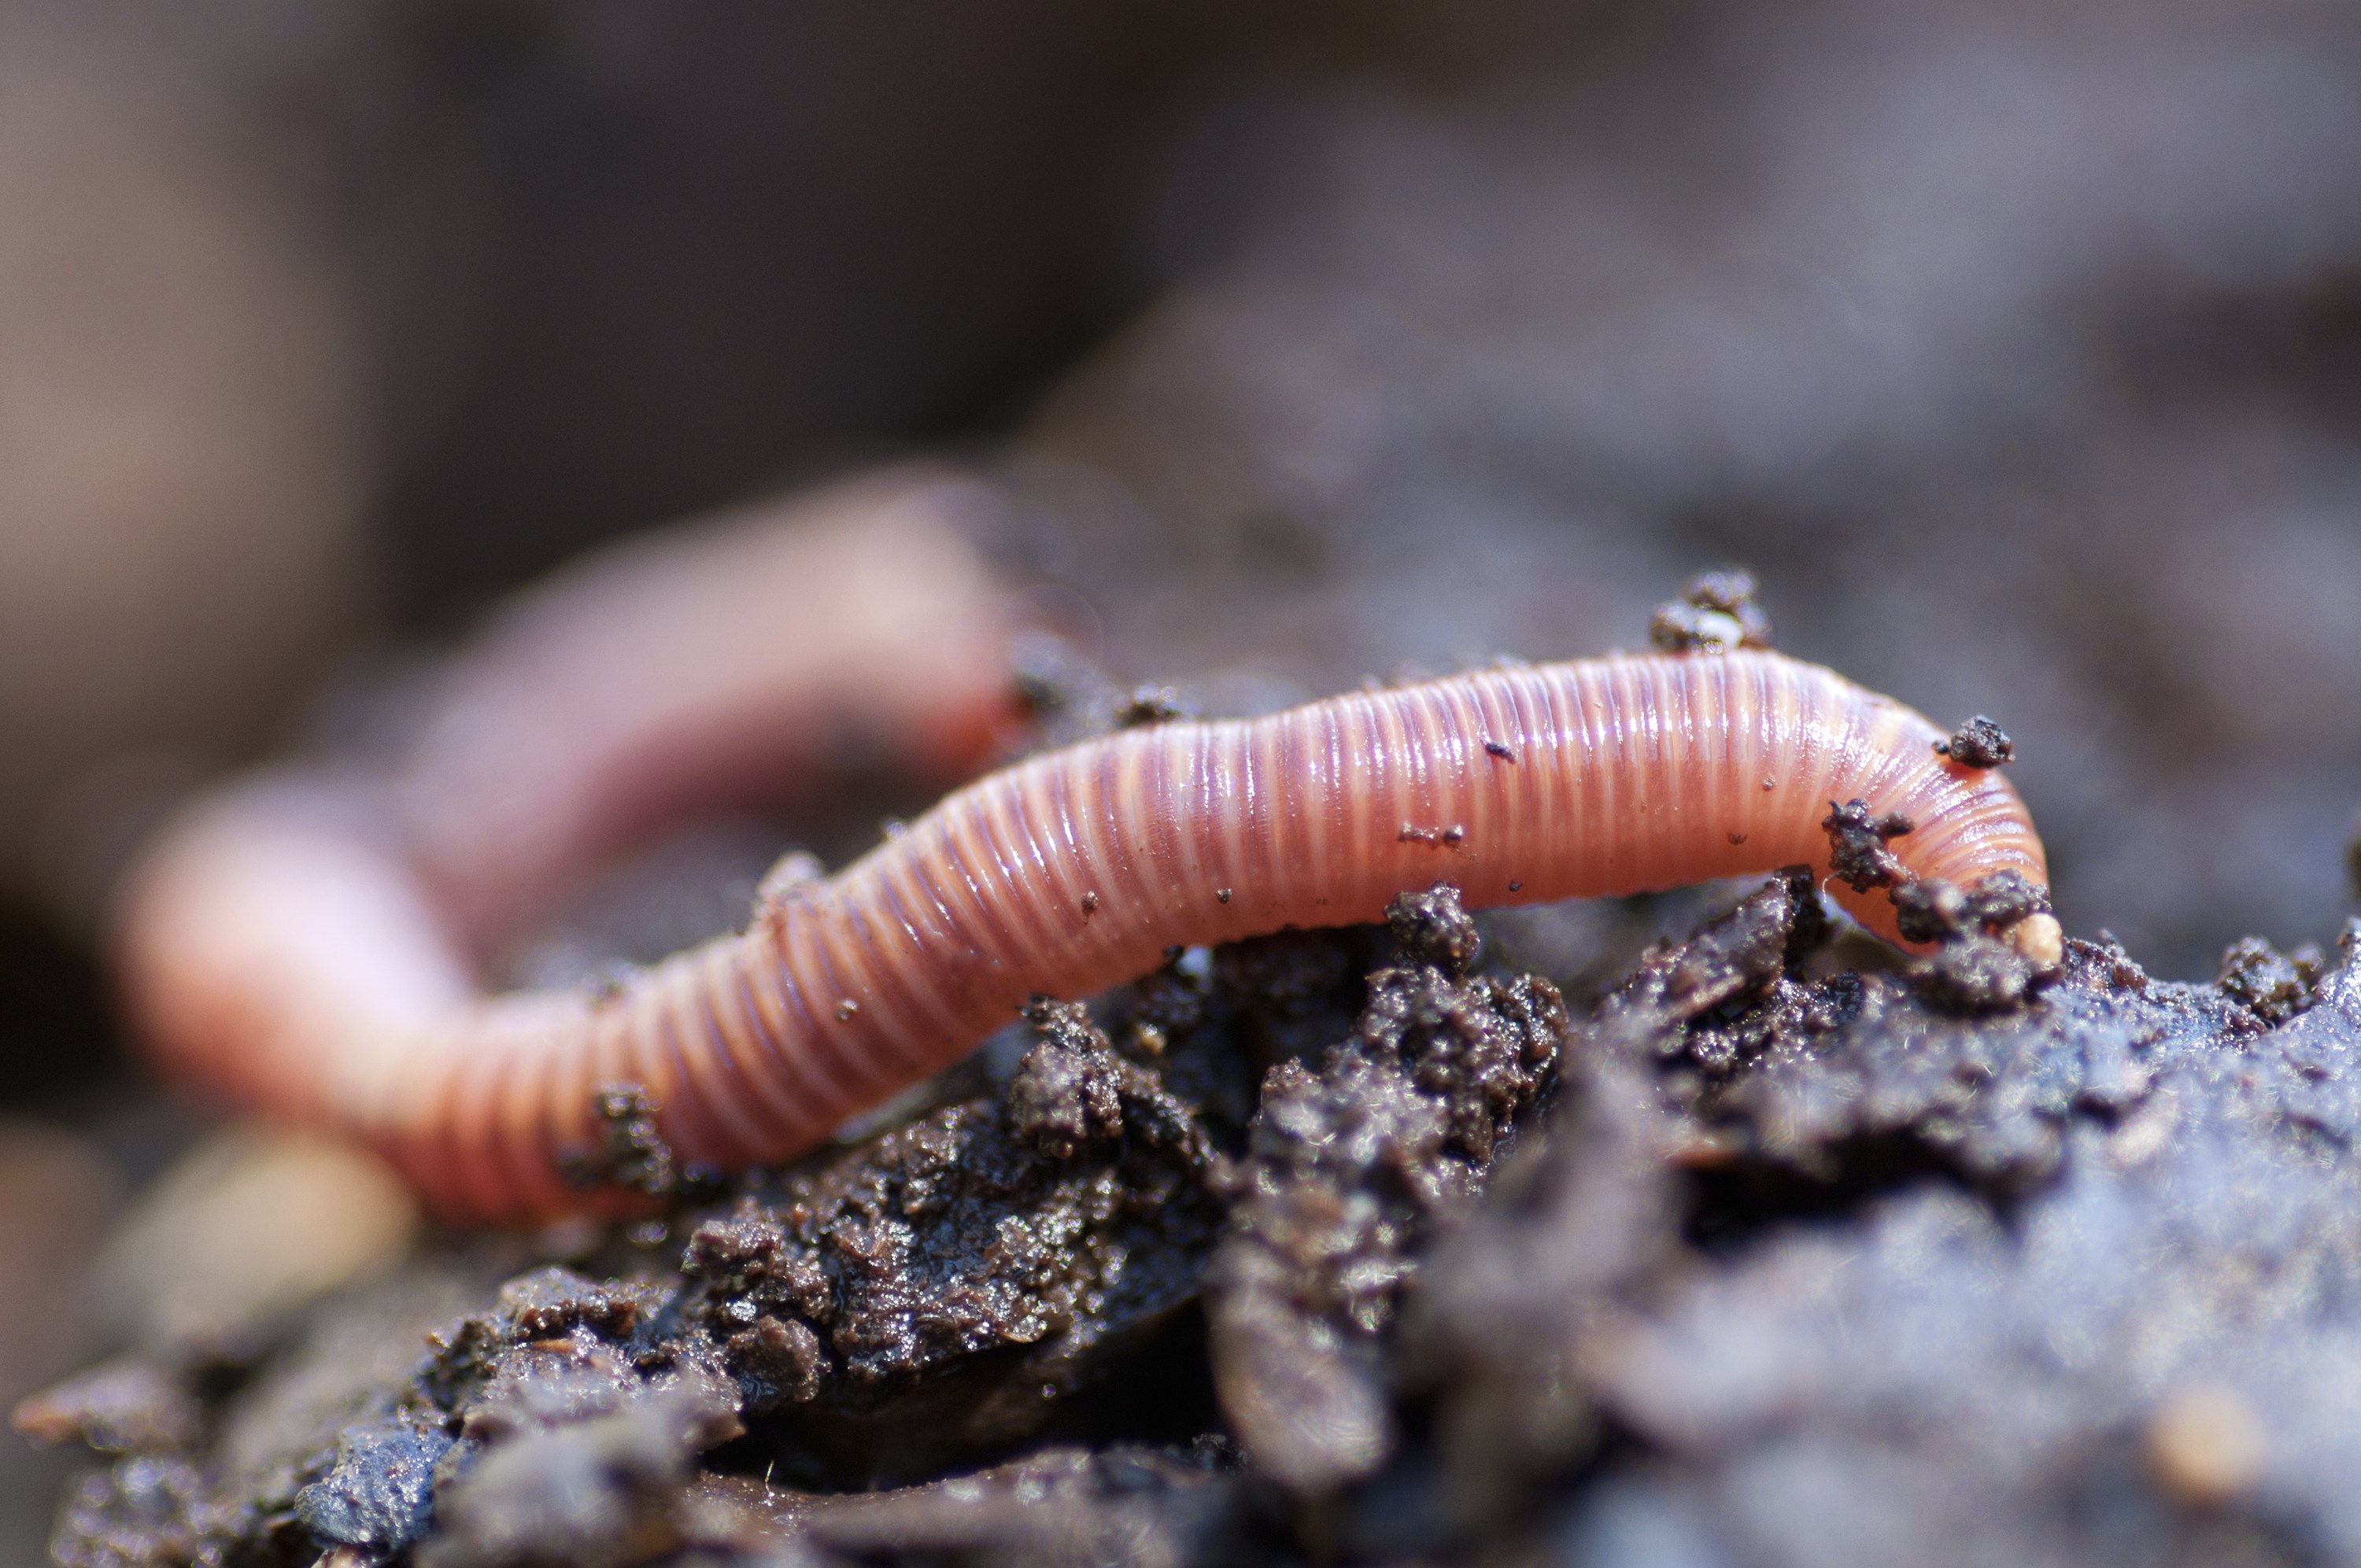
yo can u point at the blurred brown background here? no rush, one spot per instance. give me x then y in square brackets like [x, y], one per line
[2014, 345]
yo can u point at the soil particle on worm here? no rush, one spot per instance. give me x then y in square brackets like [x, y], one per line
[632, 1153]
[1856, 852]
[1150, 705]
[1324, 1247]
[1929, 909]
[1978, 743]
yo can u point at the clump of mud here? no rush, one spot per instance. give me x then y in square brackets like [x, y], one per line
[1347, 1247]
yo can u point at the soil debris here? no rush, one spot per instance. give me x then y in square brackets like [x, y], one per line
[2272, 985]
[1974, 974]
[1648, 1337]
[1338, 1245]
[1930, 909]
[1716, 611]
[600, 1492]
[130, 1405]
[989, 1258]
[1978, 743]
[1857, 853]
[1348, 1170]
[1766, 1067]
[2005, 898]
[1070, 697]
[632, 1153]
[378, 1495]
[150, 1511]
[1150, 705]
[1968, 971]
[1129, 1503]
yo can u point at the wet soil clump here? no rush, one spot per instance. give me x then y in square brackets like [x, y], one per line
[1978, 743]
[1716, 611]
[1347, 1247]
[1350, 1168]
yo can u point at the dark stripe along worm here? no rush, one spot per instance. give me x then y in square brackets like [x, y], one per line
[1066, 874]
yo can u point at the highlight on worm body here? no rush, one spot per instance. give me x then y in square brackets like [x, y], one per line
[302, 944]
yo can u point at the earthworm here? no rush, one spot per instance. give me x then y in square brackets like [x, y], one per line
[697, 669]
[312, 976]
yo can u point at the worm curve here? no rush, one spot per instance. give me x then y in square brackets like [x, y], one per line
[288, 954]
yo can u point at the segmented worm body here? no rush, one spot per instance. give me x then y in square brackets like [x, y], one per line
[337, 996]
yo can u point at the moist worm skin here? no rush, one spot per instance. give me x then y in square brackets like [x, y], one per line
[336, 996]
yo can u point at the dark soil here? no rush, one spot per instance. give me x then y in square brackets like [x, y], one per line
[1764, 1259]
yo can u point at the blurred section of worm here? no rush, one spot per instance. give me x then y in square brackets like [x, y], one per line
[719, 665]
[322, 326]
[711, 666]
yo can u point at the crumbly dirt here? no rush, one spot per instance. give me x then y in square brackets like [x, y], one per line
[1978, 743]
[1350, 1168]
[1716, 611]
[1857, 853]
[1347, 1247]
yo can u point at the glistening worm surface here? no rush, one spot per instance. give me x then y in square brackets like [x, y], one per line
[1062, 875]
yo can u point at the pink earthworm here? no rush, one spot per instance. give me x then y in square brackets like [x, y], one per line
[329, 988]
[699, 669]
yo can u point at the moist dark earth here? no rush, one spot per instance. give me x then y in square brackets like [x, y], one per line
[1367, 1246]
